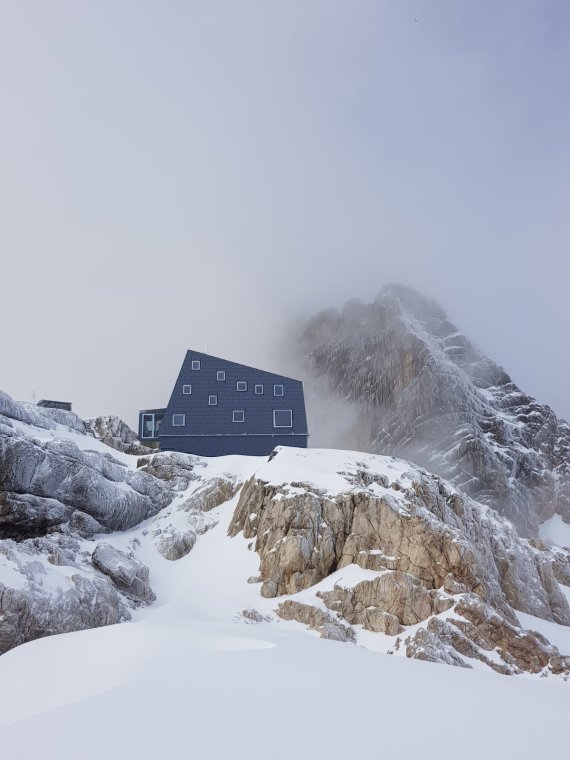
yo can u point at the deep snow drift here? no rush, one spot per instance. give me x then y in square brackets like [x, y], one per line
[191, 675]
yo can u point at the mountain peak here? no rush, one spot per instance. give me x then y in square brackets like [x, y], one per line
[423, 391]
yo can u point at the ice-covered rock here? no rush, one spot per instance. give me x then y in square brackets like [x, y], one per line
[130, 575]
[420, 390]
[114, 432]
[49, 585]
[46, 476]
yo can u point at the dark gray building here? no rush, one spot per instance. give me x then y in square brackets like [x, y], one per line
[65, 405]
[219, 407]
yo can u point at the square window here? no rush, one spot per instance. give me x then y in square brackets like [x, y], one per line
[238, 415]
[178, 420]
[258, 390]
[220, 375]
[241, 385]
[282, 418]
[212, 400]
[186, 390]
[195, 363]
[278, 390]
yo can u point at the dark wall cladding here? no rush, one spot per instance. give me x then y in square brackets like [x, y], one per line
[206, 393]
[216, 446]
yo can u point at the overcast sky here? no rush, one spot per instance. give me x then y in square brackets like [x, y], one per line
[198, 174]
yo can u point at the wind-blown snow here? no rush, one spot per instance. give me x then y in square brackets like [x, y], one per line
[556, 530]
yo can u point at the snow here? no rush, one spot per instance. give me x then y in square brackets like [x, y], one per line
[559, 635]
[326, 469]
[83, 442]
[189, 677]
[556, 530]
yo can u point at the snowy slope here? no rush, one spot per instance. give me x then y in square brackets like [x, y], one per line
[190, 676]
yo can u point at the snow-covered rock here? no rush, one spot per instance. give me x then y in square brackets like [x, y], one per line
[49, 585]
[130, 575]
[420, 390]
[49, 470]
[114, 432]
[436, 554]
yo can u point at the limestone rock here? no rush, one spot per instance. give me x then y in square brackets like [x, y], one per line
[327, 625]
[478, 632]
[49, 586]
[43, 480]
[130, 575]
[176, 545]
[114, 432]
[455, 566]
[177, 469]
[386, 602]
[417, 388]
[254, 616]
[429, 529]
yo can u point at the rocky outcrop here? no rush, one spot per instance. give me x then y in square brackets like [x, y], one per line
[127, 573]
[425, 526]
[420, 390]
[114, 432]
[45, 478]
[41, 417]
[386, 603]
[177, 469]
[48, 585]
[441, 559]
[478, 632]
[328, 626]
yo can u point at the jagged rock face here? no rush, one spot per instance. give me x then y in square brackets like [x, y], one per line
[383, 604]
[40, 417]
[113, 432]
[177, 469]
[476, 631]
[327, 625]
[436, 550]
[54, 496]
[175, 542]
[51, 586]
[423, 392]
[44, 480]
[387, 508]
[130, 575]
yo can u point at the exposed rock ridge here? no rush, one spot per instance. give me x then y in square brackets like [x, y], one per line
[114, 432]
[436, 552]
[46, 479]
[425, 393]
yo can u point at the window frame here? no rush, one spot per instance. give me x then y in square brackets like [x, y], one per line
[256, 392]
[221, 379]
[241, 382]
[198, 362]
[178, 424]
[275, 411]
[184, 391]
[213, 396]
[278, 395]
[143, 436]
[238, 411]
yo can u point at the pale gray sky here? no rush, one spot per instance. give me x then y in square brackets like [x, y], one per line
[198, 174]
